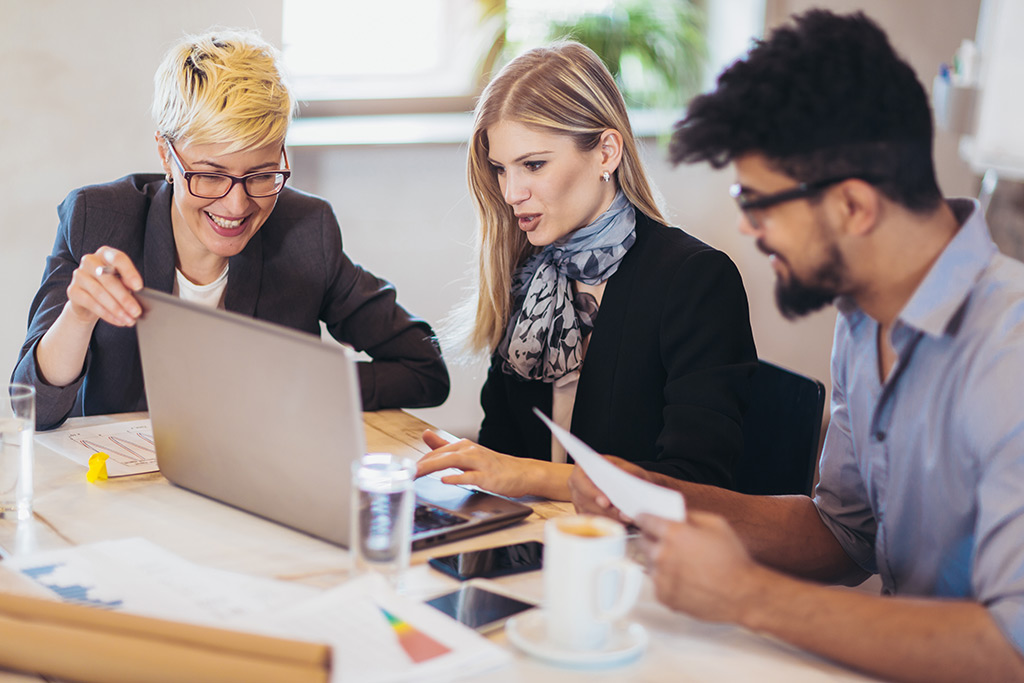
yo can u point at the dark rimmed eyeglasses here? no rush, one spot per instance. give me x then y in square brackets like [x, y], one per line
[749, 203]
[212, 185]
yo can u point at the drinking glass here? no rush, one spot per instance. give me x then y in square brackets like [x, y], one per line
[382, 510]
[17, 429]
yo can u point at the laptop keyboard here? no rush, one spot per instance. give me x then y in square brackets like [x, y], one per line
[427, 518]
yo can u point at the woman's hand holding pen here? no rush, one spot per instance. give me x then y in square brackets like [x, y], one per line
[101, 289]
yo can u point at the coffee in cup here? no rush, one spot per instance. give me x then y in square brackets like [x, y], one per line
[583, 528]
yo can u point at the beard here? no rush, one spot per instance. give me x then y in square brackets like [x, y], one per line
[796, 298]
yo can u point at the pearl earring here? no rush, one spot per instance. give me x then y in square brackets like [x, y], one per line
[606, 176]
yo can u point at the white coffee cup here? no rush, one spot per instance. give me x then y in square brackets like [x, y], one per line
[588, 583]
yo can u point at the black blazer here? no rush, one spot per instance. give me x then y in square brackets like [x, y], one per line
[292, 272]
[665, 380]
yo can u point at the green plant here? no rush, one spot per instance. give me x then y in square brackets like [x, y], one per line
[654, 48]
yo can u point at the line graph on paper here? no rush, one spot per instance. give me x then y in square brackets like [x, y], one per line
[129, 445]
[131, 448]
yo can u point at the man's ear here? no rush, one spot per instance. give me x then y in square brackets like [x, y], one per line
[859, 205]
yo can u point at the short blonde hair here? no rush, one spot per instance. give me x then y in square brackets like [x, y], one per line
[564, 89]
[224, 86]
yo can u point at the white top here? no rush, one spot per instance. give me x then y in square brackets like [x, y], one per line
[563, 391]
[211, 295]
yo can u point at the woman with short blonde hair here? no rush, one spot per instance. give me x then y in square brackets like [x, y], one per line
[634, 334]
[219, 228]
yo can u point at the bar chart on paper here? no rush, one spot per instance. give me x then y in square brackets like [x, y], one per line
[70, 585]
[129, 446]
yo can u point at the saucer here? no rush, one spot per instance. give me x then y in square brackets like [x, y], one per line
[529, 632]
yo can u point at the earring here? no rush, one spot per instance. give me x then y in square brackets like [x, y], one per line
[606, 176]
[169, 178]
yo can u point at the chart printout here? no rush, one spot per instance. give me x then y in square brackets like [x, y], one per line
[129, 445]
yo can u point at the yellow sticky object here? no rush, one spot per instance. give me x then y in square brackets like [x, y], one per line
[97, 467]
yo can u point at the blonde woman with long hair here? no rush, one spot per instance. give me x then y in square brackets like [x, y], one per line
[633, 334]
[218, 227]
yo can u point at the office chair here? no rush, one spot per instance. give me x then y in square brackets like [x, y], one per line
[781, 430]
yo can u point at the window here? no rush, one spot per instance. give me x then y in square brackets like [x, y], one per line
[385, 49]
[361, 68]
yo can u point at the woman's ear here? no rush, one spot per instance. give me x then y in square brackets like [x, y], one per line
[161, 150]
[610, 148]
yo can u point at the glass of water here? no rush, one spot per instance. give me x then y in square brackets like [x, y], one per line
[382, 509]
[17, 427]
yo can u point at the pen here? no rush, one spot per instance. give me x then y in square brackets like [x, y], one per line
[108, 267]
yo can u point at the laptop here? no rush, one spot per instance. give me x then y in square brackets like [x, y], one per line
[269, 419]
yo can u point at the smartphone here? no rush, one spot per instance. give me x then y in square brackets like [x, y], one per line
[478, 608]
[492, 562]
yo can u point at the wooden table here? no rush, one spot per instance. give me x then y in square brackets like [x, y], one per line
[69, 511]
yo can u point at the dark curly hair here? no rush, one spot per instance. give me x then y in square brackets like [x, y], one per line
[825, 97]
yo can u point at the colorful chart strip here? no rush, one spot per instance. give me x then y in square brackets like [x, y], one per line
[418, 645]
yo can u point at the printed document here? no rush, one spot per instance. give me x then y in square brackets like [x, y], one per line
[629, 494]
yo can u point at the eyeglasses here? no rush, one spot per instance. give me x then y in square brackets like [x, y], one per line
[749, 204]
[210, 185]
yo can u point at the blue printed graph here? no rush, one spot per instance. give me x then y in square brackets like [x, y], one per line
[50, 575]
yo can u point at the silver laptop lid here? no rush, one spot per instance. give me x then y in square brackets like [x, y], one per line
[253, 414]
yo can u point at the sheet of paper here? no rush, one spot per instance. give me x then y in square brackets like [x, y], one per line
[376, 635]
[135, 575]
[379, 636]
[129, 445]
[630, 494]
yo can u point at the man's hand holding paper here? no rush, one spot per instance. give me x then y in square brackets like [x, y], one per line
[631, 494]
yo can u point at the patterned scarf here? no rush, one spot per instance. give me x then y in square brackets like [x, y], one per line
[544, 337]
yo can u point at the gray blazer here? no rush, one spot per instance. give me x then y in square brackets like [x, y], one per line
[292, 272]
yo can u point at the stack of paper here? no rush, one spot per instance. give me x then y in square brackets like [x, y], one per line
[90, 644]
[135, 575]
[375, 634]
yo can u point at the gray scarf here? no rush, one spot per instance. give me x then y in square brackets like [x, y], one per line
[544, 337]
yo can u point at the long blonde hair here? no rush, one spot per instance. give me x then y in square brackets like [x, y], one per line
[563, 89]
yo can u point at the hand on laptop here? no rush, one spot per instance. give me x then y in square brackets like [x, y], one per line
[503, 474]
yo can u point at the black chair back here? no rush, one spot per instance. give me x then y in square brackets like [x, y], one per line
[781, 431]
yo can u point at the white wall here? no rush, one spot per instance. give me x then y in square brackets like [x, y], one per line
[77, 85]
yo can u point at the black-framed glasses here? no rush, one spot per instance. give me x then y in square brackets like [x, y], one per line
[213, 185]
[751, 203]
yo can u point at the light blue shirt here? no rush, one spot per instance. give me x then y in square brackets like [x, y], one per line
[922, 476]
